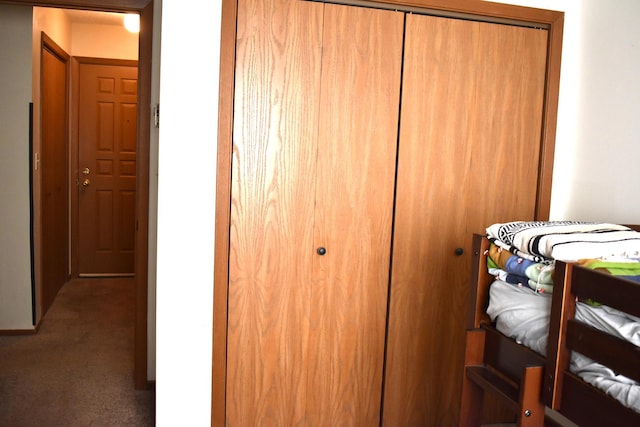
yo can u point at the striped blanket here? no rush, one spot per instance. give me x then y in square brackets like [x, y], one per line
[523, 253]
[545, 241]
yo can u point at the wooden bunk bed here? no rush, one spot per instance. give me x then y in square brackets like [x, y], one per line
[524, 381]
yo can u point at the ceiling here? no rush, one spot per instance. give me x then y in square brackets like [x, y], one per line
[91, 17]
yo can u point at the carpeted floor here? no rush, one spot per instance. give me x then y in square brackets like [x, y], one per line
[78, 369]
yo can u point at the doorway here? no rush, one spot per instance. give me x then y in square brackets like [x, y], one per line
[104, 168]
[145, 9]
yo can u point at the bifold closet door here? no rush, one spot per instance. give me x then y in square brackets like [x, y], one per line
[276, 98]
[358, 128]
[470, 141]
[315, 133]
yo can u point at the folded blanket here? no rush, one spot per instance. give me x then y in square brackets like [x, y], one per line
[544, 241]
[519, 271]
[627, 268]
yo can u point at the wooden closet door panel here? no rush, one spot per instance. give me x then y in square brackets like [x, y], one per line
[508, 131]
[469, 149]
[362, 58]
[271, 238]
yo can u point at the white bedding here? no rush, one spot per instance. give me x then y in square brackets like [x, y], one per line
[523, 315]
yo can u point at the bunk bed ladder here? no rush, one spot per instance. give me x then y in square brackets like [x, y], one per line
[508, 370]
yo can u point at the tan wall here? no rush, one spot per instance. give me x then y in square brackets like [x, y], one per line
[15, 93]
[54, 23]
[103, 41]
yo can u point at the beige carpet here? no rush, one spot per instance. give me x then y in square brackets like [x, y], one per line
[78, 369]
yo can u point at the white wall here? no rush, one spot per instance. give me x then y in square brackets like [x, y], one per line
[15, 96]
[153, 195]
[189, 73]
[604, 185]
[595, 168]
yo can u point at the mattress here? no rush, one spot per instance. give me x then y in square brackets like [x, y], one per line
[523, 314]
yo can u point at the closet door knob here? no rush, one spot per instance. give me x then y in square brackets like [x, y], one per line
[321, 251]
[459, 251]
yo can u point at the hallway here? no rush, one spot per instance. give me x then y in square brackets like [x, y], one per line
[78, 369]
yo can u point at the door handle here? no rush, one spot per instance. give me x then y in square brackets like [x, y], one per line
[86, 171]
[86, 183]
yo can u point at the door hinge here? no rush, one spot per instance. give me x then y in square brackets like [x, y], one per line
[156, 115]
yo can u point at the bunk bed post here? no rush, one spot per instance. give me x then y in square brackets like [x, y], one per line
[563, 309]
[472, 394]
[480, 282]
[531, 411]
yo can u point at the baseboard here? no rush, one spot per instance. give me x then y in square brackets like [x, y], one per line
[12, 332]
[17, 332]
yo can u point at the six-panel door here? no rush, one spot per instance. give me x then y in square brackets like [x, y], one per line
[107, 127]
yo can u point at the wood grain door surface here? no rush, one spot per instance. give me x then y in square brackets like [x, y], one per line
[470, 138]
[306, 331]
[273, 176]
[355, 180]
[324, 96]
[54, 167]
[107, 128]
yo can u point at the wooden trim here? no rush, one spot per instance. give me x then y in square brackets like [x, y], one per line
[106, 61]
[550, 117]
[50, 44]
[18, 332]
[145, 8]
[223, 212]
[141, 265]
[482, 9]
[96, 5]
[73, 161]
[554, 20]
[32, 218]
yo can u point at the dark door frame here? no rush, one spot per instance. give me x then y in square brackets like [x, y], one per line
[49, 286]
[145, 9]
